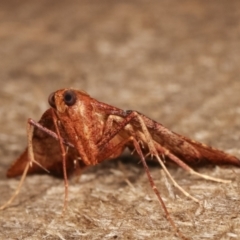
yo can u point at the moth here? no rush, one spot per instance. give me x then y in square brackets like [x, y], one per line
[79, 131]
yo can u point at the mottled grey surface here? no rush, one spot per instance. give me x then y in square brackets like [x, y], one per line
[175, 61]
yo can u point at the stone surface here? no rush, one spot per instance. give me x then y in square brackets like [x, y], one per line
[175, 61]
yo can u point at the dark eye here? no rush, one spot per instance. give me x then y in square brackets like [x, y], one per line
[69, 97]
[51, 100]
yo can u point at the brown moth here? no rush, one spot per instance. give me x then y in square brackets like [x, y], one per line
[78, 131]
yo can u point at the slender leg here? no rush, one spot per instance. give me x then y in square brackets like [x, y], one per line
[183, 165]
[110, 133]
[108, 152]
[153, 152]
[30, 129]
[49, 132]
[145, 137]
[154, 148]
[63, 151]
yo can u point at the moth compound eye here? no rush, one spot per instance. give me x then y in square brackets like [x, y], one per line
[51, 100]
[69, 97]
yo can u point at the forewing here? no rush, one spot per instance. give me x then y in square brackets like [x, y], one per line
[47, 152]
[212, 155]
[186, 149]
[191, 151]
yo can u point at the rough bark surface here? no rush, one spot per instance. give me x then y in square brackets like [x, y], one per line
[175, 61]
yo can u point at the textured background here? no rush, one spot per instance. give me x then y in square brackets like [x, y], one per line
[175, 61]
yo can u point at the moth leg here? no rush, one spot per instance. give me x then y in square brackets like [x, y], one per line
[109, 132]
[161, 150]
[49, 132]
[144, 137]
[183, 165]
[64, 165]
[108, 151]
[153, 152]
[30, 129]
[147, 139]
[164, 151]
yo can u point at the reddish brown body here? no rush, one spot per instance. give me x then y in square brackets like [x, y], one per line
[78, 131]
[83, 124]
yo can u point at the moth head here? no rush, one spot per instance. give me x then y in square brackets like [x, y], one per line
[65, 98]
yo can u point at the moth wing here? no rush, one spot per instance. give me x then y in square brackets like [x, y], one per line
[212, 155]
[188, 150]
[46, 151]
